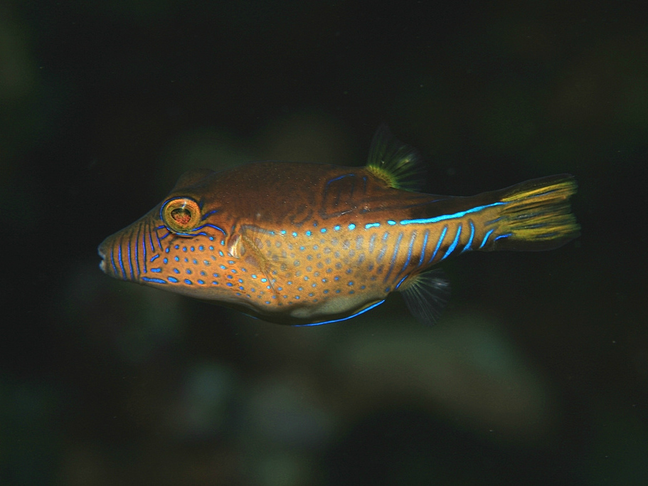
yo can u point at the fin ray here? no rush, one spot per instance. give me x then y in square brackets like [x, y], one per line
[426, 294]
[536, 215]
[396, 163]
[246, 246]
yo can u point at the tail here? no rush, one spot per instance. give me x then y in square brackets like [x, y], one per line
[535, 215]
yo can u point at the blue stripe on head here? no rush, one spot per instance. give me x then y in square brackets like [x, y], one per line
[136, 245]
[112, 260]
[144, 233]
[121, 261]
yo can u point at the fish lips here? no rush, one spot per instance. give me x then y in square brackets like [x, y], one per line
[101, 251]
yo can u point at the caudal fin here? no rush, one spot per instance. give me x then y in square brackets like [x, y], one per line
[535, 215]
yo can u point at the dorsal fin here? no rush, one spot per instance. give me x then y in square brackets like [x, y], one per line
[398, 164]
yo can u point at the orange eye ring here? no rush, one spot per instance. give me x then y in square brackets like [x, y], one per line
[180, 215]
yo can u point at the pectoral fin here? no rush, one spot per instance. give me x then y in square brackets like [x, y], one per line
[242, 245]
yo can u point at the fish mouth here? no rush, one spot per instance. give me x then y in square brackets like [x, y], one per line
[102, 254]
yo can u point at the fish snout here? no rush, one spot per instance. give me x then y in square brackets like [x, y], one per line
[124, 254]
[101, 251]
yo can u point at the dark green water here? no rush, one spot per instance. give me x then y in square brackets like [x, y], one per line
[538, 370]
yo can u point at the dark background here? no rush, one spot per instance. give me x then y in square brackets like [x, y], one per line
[538, 370]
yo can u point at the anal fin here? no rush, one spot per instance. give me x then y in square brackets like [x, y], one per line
[426, 294]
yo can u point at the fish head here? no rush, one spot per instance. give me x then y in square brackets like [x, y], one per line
[181, 245]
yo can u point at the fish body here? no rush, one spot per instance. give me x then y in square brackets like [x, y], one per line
[305, 243]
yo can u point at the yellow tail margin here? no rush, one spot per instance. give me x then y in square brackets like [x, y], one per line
[536, 215]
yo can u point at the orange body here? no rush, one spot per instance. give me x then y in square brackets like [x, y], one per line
[303, 243]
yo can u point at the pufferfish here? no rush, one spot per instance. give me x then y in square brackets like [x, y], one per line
[307, 244]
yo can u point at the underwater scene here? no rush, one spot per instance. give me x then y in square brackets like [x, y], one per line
[323, 243]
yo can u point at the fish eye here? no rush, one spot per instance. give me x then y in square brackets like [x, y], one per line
[180, 215]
